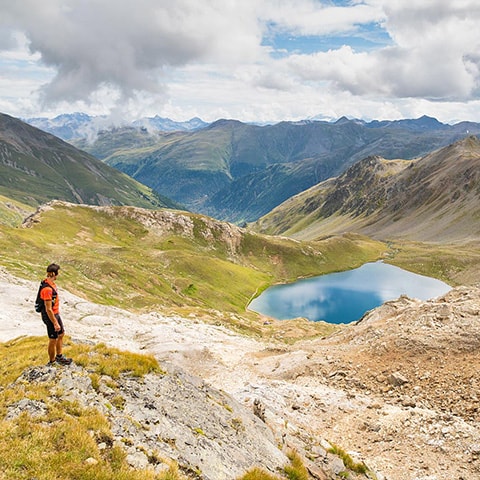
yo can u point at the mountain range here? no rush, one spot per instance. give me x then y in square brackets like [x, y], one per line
[239, 172]
[434, 198]
[70, 126]
[235, 171]
[36, 167]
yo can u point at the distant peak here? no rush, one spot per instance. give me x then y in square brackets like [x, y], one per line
[429, 120]
[427, 117]
[342, 120]
[224, 121]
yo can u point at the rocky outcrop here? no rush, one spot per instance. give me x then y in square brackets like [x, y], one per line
[171, 416]
[163, 222]
[414, 367]
[177, 417]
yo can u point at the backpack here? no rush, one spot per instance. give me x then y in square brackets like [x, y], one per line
[39, 303]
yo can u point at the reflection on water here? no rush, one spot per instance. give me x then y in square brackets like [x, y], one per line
[344, 297]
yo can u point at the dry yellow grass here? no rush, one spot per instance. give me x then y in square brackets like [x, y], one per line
[57, 444]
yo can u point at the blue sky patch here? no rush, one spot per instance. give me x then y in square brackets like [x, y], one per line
[367, 37]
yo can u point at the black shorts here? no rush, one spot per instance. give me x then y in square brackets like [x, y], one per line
[52, 333]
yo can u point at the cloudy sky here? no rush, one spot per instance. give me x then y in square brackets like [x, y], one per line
[253, 60]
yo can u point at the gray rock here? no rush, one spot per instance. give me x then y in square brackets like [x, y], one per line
[34, 408]
[137, 460]
[397, 379]
[175, 416]
[336, 464]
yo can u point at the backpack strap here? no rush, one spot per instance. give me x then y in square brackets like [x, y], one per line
[39, 303]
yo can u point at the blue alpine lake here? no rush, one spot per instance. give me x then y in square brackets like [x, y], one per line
[344, 297]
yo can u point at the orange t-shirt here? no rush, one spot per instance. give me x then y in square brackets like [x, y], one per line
[47, 294]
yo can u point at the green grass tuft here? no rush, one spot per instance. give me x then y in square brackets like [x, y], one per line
[258, 474]
[357, 467]
[103, 360]
[295, 471]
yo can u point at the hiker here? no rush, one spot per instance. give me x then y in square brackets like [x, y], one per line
[51, 316]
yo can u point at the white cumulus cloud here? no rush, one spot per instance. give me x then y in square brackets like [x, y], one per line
[245, 59]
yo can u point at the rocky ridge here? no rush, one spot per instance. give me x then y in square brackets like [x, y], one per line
[431, 199]
[162, 221]
[397, 390]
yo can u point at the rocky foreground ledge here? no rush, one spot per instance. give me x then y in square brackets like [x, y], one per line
[173, 416]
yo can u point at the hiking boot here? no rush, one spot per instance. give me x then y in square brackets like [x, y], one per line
[63, 360]
[51, 363]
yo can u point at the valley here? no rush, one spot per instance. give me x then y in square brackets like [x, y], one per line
[396, 391]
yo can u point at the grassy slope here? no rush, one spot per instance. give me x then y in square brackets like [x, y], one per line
[36, 167]
[13, 212]
[432, 199]
[84, 186]
[114, 259]
[58, 443]
[454, 263]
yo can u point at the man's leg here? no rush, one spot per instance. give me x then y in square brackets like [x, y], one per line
[52, 348]
[59, 348]
[59, 345]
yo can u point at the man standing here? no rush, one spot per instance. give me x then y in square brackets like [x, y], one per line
[51, 317]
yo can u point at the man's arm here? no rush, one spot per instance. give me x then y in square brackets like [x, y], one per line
[51, 315]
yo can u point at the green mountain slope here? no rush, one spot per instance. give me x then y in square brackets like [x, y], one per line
[166, 260]
[36, 167]
[239, 172]
[435, 198]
